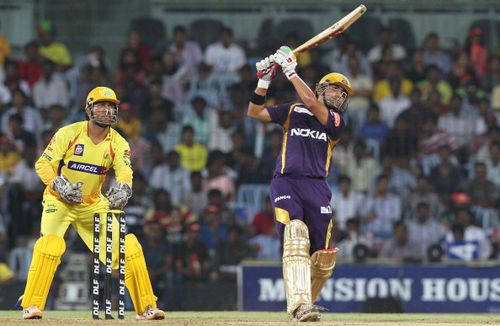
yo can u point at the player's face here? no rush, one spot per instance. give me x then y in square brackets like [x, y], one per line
[105, 113]
[335, 95]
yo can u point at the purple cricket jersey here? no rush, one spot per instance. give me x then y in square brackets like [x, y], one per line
[307, 144]
[299, 189]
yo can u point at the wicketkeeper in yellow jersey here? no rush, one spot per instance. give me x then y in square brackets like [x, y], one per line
[74, 167]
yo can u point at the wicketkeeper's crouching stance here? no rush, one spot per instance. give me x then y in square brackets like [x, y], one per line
[299, 192]
[74, 166]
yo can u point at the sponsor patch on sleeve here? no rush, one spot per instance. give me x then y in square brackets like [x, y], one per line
[336, 118]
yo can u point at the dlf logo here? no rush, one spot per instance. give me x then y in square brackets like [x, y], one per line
[326, 210]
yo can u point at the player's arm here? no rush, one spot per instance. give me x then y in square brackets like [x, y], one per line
[119, 195]
[265, 71]
[47, 168]
[48, 163]
[288, 62]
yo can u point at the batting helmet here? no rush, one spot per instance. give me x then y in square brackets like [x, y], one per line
[335, 78]
[101, 94]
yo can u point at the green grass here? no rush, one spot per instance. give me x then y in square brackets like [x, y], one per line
[262, 318]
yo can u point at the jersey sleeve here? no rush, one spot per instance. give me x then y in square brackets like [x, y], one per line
[48, 164]
[121, 162]
[334, 125]
[279, 112]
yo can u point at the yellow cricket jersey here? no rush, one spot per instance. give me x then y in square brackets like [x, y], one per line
[73, 154]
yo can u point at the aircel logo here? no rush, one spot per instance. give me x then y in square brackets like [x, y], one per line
[308, 133]
[89, 168]
[277, 199]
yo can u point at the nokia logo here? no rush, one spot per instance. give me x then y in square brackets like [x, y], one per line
[308, 133]
[89, 168]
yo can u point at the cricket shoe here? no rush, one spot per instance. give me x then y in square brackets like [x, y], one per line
[151, 313]
[307, 313]
[32, 312]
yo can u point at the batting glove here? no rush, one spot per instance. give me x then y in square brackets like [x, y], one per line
[118, 196]
[287, 60]
[69, 192]
[266, 70]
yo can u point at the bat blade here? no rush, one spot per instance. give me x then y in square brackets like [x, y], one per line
[332, 31]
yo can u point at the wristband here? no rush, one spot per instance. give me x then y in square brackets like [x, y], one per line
[263, 83]
[257, 99]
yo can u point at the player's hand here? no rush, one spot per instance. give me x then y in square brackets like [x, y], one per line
[287, 60]
[266, 69]
[118, 196]
[69, 192]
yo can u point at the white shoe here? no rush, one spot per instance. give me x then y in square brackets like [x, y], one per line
[151, 314]
[32, 312]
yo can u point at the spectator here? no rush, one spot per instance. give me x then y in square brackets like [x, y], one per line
[159, 257]
[196, 197]
[266, 246]
[32, 120]
[171, 88]
[263, 221]
[232, 252]
[193, 155]
[139, 203]
[493, 163]
[192, 261]
[218, 176]
[465, 219]
[8, 155]
[352, 238]
[198, 115]
[220, 129]
[432, 82]
[423, 194]
[187, 53]
[362, 169]
[479, 187]
[172, 177]
[52, 50]
[50, 88]
[434, 55]
[392, 105]
[400, 247]
[162, 129]
[374, 130]
[458, 123]
[6, 274]
[476, 49]
[363, 84]
[19, 136]
[384, 88]
[380, 209]
[29, 68]
[142, 51]
[416, 71]
[213, 232]
[225, 56]
[424, 231]
[129, 123]
[385, 41]
[346, 203]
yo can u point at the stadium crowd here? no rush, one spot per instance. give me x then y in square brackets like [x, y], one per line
[416, 176]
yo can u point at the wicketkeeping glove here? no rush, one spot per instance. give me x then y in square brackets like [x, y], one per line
[118, 196]
[287, 60]
[266, 70]
[69, 192]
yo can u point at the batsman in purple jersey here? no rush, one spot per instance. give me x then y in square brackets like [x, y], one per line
[299, 192]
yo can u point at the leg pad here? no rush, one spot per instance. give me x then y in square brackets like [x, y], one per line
[322, 264]
[296, 265]
[47, 255]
